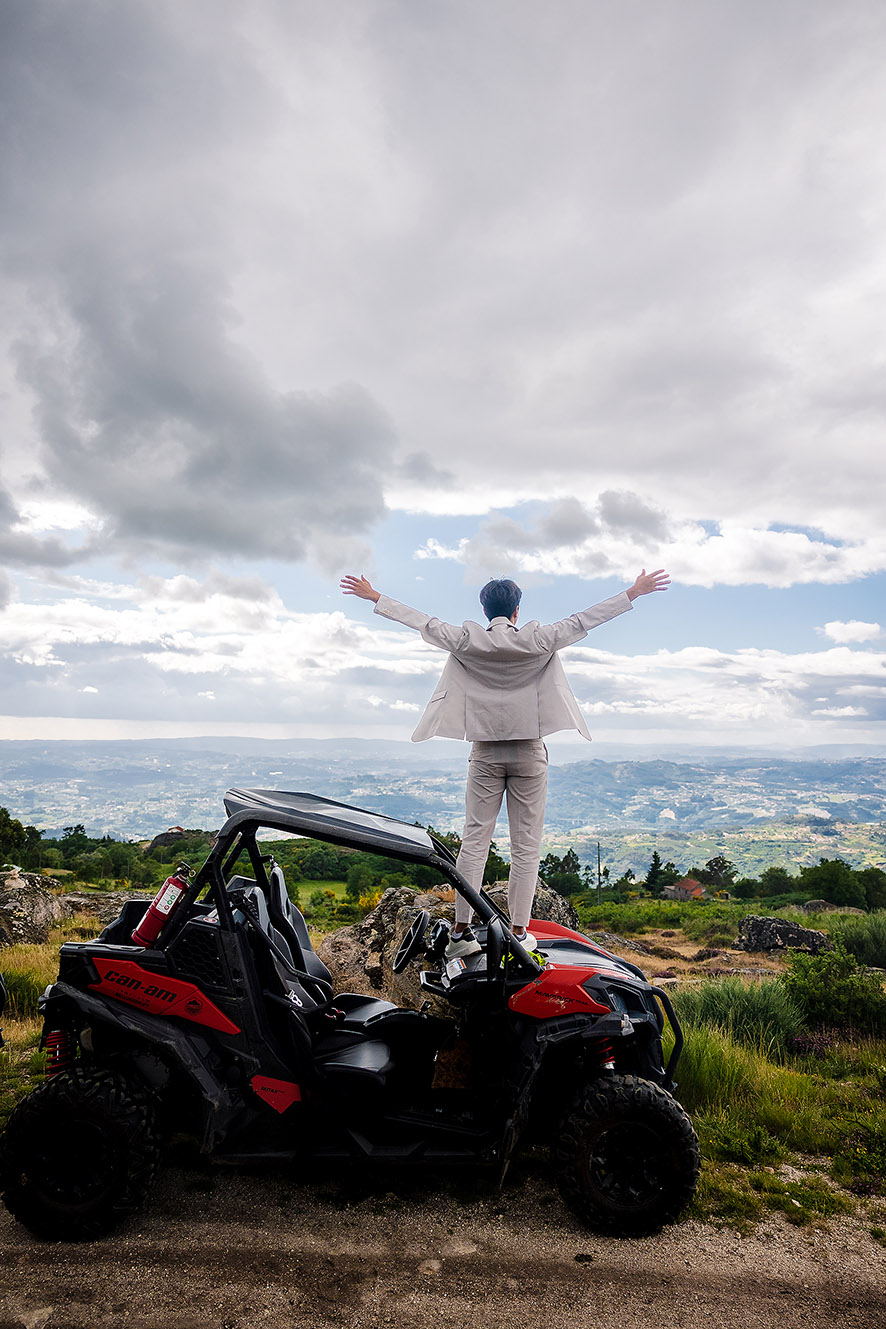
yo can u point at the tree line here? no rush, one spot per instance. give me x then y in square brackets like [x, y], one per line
[106, 861]
[831, 879]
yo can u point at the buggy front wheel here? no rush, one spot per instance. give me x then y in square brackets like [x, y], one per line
[627, 1157]
[79, 1154]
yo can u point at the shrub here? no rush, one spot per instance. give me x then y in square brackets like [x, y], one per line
[865, 937]
[367, 903]
[738, 1141]
[761, 1015]
[833, 990]
[860, 1162]
[699, 921]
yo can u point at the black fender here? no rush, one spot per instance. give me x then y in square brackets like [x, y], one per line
[62, 1004]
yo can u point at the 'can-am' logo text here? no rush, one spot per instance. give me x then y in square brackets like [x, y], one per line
[136, 985]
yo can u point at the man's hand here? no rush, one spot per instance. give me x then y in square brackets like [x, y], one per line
[360, 586]
[647, 582]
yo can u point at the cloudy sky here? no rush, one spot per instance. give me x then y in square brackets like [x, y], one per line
[437, 290]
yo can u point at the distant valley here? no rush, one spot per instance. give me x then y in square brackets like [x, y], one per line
[757, 809]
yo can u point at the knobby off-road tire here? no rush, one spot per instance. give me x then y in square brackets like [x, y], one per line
[79, 1154]
[627, 1157]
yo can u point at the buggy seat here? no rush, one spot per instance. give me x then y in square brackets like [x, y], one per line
[290, 922]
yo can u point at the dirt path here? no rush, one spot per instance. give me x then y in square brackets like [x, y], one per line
[232, 1250]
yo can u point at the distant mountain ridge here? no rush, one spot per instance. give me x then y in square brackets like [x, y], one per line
[135, 789]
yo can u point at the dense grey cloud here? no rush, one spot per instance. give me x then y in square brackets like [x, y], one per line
[299, 258]
[602, 284]
[125, 129]
[18, 547]
[670, 228]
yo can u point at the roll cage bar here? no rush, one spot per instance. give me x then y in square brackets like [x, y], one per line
[336, 823]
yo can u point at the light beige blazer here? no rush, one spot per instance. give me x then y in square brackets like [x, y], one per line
[502, 682]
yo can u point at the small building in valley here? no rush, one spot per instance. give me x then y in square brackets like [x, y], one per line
[687, 888]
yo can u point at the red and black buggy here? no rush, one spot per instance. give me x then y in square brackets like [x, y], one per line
[220, 1021]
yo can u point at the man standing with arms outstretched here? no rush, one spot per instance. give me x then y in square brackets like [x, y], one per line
[504, 689]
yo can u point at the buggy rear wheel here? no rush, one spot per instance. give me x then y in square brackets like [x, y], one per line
[79, 1155]
[627, 1157]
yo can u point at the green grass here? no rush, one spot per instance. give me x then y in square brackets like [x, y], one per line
[741, 1198]
[715, 922]
[751, 1112]
[21, 1062]
[27, 968]
[307, 888]
[760, 1015]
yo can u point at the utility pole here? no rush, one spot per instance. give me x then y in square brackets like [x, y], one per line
[599, 874]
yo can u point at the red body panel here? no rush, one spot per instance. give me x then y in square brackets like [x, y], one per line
[157, 993]
[557, 991]
[278, 1094]
[540, 927]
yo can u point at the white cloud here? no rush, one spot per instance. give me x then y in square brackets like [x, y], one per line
[622, 533]
[853, 631]
[167, 655]
[746, 691]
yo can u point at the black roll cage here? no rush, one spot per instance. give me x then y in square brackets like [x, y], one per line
[334, 823]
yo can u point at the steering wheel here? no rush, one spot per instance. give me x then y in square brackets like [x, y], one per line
[411, 944]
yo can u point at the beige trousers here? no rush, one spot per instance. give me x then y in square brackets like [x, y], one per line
[517, 769]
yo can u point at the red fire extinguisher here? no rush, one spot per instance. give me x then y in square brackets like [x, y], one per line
[163, 905]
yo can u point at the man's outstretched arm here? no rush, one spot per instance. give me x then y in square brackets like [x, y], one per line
[433, 630]
[568, 631]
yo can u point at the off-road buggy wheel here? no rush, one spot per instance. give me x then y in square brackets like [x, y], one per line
[627, 1157]
[79, 1154]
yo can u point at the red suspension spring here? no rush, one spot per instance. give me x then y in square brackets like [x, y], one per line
[606, 1054]
[60, 1052]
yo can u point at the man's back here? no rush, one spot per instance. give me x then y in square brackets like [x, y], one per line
[501, 682]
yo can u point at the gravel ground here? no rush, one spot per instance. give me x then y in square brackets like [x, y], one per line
[232, 1250]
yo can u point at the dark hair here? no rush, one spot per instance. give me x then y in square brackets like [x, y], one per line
[500, 598]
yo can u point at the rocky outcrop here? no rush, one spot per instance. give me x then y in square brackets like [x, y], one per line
[28, 909]
[103, 905]
[756, 933]
[548, 905]
[360, 957]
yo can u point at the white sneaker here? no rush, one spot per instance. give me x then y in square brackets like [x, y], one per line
[464, 944]
[527, 941]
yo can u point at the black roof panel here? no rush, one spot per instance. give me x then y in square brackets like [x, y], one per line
[307, 814]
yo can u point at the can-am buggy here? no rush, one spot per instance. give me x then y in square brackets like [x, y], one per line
[225, 1026]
